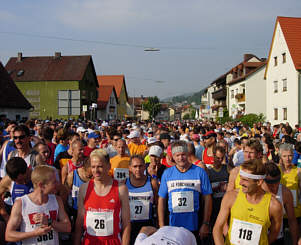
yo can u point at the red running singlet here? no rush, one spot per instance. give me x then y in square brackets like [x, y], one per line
[207, 159]
[102, 222]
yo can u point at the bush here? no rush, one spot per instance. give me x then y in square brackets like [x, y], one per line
[250, 119]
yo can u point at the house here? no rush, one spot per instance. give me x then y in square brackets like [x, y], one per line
[136, 103]
[282, 73]
[164, 113]
[204, 107]
[107, 103]
[118, 81]
[241, 77]
[57, 86]
[13, 105]
[219, 95]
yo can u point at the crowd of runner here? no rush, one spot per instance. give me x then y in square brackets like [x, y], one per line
[123, 182]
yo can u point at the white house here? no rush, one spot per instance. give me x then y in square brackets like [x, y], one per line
[13, 105]
[239, 78]
[282, 72]
[107, 103]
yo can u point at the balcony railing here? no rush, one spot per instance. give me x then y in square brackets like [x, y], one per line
[220, 94]
[240, 97]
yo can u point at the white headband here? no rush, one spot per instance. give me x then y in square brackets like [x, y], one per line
[177, 149]
[251, 176]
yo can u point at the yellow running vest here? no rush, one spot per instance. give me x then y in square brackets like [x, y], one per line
[291, 181]
[237, 180]
[249, 223]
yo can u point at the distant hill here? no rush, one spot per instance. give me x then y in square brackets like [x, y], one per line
[189, 97]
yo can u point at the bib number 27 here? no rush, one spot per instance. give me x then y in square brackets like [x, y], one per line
[99, 224]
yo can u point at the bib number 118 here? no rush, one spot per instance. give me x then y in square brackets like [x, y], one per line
[245, 234]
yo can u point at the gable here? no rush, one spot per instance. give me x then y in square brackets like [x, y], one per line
[118, 81]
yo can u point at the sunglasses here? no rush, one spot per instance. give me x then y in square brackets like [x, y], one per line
[272, 181]
[116, 139]
[21, 137]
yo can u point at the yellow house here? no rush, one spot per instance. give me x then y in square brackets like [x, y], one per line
[118, 81]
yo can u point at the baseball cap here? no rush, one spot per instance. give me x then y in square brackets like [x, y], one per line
[155, 150]
[93, 135]
[195, 137]
[134, 134]
[151, 140]
[80, 130]
[209, 134]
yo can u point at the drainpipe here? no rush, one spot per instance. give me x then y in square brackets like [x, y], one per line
[299, 99]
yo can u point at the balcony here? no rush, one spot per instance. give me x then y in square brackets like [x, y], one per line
[240, 97]
[220, 94]
[215, 107]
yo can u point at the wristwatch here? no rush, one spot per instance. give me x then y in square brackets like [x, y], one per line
[49, 222]
[206, 223]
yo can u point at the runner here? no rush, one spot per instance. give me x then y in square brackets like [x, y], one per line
[192, 157]
[182, 186]
[103, 206]
[155, 169]
[285, 197]
[39, 215]
[135, 146]
[210, 142]
[76, 161]
[255, 215]
[120, 163]
[91, 144]
[170, 235]
[143, 196]
[252, 150]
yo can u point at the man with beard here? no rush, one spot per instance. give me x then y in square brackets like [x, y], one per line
[255, 215]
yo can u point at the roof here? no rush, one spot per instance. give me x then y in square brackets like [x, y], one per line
[241, 78]
[49, 68]
[104, 93]
[116, 80]
[10, 95]
[291, 28]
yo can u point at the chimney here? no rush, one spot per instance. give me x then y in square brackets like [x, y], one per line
[57, 55]
[19, 59]
[247, 57]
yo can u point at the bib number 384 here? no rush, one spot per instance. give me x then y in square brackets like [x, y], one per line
[99, 223]
[245, 233]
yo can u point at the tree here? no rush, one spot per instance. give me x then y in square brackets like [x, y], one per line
[152, 105]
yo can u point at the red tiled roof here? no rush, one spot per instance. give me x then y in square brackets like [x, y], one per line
[104, 93]
[10, 95]
[137, 100]
[116, 80]
[49, 68]
[291, 28]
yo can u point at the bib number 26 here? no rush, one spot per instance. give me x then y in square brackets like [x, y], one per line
[99, 224]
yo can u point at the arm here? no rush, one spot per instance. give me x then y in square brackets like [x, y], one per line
[276, 216]
[63, 224]
[232, 178]
[2, 149]
[289, 209]
[80, 215]
[64, 173]
[204, 230]
[12, 235]
[4, 187]
[161, 208]
[222, 217]
[69, 181]
[155, 191]
[125, 214]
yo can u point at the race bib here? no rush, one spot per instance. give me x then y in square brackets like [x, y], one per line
[121, 173]
[294, 193]
[75, 190]
[182, 202]
[99, 223]
[245, 233]
[46, 239]
[139, 209]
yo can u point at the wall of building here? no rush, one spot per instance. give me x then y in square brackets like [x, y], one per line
[281, 99]
[122, 108]
[44, 97]
[256, 93]
[111, 109]
[15, 114]
[234, 105]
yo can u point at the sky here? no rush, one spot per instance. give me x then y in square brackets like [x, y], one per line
[199, 40]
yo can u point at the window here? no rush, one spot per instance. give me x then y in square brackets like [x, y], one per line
[236, 91]
[275, 86]
[232, 94]
[284, 87]
[275, 61]
[284, 113]
[275, 114]
[284, 58]
[69, 102]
